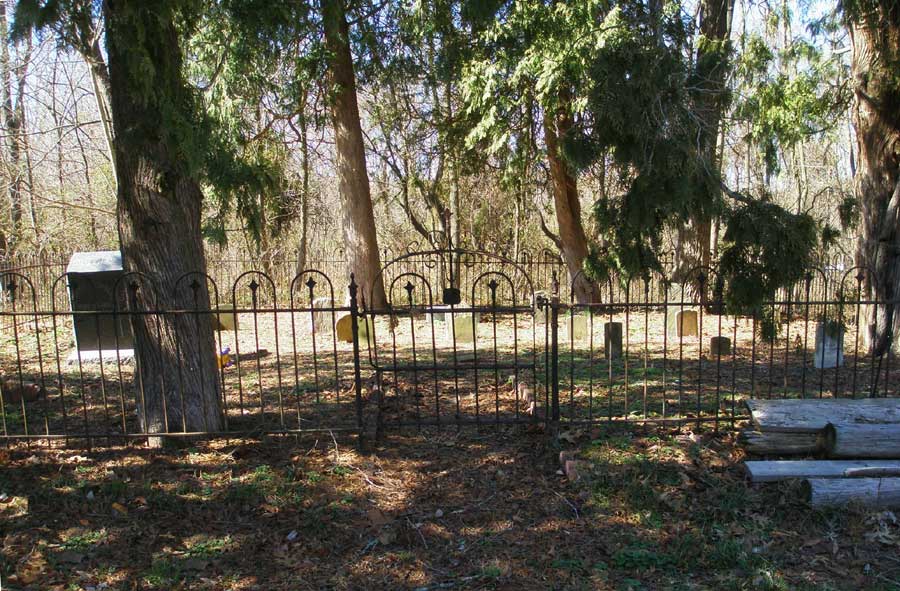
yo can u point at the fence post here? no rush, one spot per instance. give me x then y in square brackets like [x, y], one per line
[554, 350]
[357, 379]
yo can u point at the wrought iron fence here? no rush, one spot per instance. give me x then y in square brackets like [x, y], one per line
[464, 338]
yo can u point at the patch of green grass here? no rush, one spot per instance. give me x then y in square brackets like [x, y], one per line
[113, 488]
[491, 572]
[638, 557]
[161, 499]
[569, 564]
[84, 540]
[63, 481]
[263, 474]
[242, 493]
[287, 493]
[210, 476]
[769, 580]
[209, 548]
[341, 471]
[163, 573]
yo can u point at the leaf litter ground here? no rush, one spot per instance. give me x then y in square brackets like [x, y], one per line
[651, 509]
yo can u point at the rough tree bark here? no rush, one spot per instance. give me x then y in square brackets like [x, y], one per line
[100, 81]
[24, 142]
[694, 246]
[572, 238]
[11, 125]
[360, 239]
[303, 246]
[875, 36]
[158, 211]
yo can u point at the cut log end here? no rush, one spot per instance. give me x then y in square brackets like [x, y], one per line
[871, 493]
[764, 443]
[862, 440]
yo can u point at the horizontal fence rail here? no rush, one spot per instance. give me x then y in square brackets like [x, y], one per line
[464, 338]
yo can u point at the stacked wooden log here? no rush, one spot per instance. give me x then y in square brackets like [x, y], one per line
[860, 438]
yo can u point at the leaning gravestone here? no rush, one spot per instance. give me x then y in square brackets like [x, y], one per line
[91, 278]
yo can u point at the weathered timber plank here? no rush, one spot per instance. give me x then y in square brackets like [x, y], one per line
[773, 471]
[765, 444]
[844, 440]
[811, 415]
[876, 493]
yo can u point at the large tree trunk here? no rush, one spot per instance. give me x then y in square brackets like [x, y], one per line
[303, 248]
[100, 81]
[11, 126]
[875, 38]
[572, 238]
[88, 195]
[55, 110]
[159, 222]
[24, 143]
[694, 246]
[360, 239]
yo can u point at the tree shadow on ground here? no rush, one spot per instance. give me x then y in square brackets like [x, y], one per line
[478, 509]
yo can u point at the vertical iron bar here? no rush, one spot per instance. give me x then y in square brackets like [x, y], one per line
[357, 377]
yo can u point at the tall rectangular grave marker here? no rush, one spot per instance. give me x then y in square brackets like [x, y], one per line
[91, 279]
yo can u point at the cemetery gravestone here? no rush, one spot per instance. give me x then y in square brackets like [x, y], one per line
[612, 340]
[322, 314]
[463, 326]
[683, 323]
[719, 346]
[829, 345]
[92, 278]
[344, 327]
[222, 321]
[579, 326]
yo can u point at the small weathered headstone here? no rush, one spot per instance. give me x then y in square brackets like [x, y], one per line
[344, 327]
[221, 320]
[829, 345]
[612, 340]
[719, 346]
[578, 326]
[462, 325]
[573, 469]
[538, 303]
[322, 313]
[438, 313]
[683, 323]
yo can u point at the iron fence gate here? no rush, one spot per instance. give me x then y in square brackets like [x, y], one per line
[449, 348]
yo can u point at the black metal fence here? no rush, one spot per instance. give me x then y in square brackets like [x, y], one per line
[465, 338]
